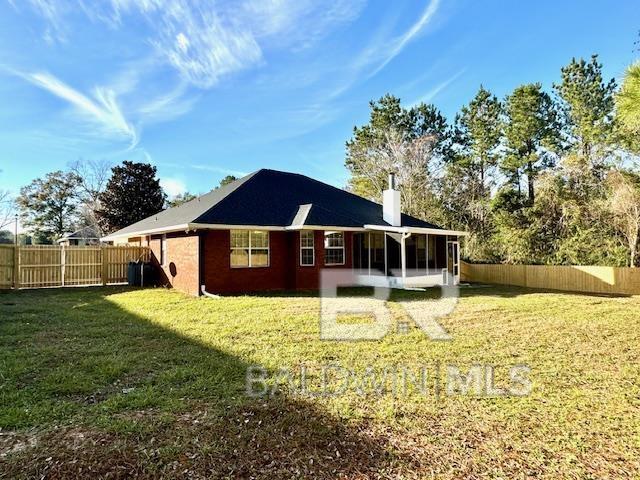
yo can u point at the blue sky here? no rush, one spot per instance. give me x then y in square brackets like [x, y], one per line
[205, 89]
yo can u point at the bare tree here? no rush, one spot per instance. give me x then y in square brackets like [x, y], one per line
[93, 175]
[624, 204]
[409, 158]
[7, 208]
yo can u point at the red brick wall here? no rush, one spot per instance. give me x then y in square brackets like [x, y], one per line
[308, 278]
[181, 268]
[283, 273]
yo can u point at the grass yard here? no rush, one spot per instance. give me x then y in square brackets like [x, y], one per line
[119, 383]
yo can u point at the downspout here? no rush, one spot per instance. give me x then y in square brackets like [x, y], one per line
[203, 287]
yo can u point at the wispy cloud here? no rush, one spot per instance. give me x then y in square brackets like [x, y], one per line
[382, 50]
[51, 12]
[102, 110]
[206, 41]
[398, 44]
[433, 92]
[167, 106]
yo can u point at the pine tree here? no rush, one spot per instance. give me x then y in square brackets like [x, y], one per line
[531, 135]
[587, 106]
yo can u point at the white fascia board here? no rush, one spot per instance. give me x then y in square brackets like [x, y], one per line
[430, 231]
[325, 227]
[153, 231]
[188, 227]
[216, 226]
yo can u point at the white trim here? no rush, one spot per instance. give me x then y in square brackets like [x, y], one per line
[455, 262]
[432, 231]
[187, 227]
[325, 227]
[300, 217]
[312, 248]
[213, 226]
[174, 228]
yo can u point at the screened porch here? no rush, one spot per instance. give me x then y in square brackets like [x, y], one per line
[406, 257]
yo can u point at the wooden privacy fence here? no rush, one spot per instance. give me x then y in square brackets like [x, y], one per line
[36, 266]
[611, 280]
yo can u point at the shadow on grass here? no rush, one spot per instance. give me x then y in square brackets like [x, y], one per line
[90, 389]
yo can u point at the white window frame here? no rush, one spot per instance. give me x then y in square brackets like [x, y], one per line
[326, 248]
[250, 249]
[163, 250]
[312, 248]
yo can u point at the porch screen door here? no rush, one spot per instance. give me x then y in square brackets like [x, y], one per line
[453, 261]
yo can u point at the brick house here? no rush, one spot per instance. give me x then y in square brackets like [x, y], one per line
[275, 230]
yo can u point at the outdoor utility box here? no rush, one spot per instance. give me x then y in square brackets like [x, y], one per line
[140, 274]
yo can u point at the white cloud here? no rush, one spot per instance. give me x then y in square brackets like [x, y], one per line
[205, 41]
[173, 186]
[102, 110]
[166, 106]
[382, 50]
[398, 44]
[431, 94]
[298, 23]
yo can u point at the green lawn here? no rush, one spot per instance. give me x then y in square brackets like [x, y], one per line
[116, 382]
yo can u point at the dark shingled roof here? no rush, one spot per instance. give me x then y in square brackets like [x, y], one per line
[272, 198]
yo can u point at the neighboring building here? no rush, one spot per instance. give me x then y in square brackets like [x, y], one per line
[84, 236]
[274, 230]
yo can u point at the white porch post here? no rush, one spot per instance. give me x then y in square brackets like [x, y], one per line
[426, 248]
[386, 273]
[369, 250]
[403, 256]
[403, 253]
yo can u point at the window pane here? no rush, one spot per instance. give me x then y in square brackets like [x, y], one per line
[239, 239]
[306, 256]
[259, 258]
[334, 256]
[239, 257]
[306, 238]
[333, 239]
[259, 239]
[421, 241]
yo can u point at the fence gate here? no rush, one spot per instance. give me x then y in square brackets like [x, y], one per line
[36, 266]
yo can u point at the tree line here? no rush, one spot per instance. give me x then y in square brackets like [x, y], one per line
[88, 194]
[536, 177]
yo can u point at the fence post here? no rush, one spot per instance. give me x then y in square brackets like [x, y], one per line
[16, 266]
[63, 262]
[105, 264]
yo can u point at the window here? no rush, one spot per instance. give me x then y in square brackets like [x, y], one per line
[307, 254]
[334, 248]
[249, 248]
[163, 249]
